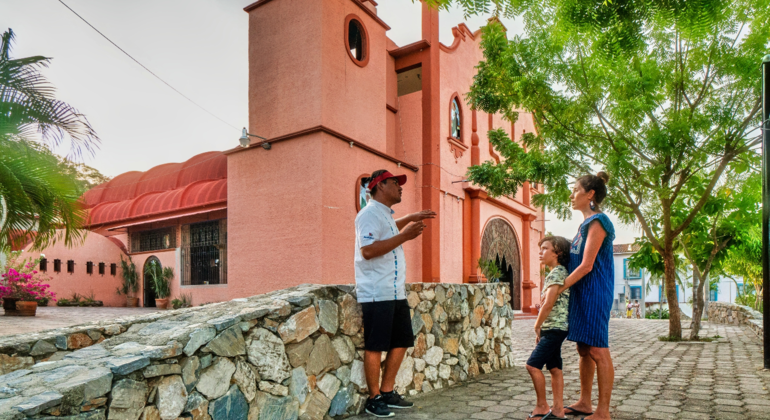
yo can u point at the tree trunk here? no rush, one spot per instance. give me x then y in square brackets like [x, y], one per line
[674, 320]
[697, 303]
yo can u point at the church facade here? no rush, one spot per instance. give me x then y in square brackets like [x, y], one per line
[336, 99]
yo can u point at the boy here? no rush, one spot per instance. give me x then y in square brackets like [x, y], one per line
[551, 328]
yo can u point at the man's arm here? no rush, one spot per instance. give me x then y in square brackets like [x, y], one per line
[380, 248]
[415, 217]
[594, 240]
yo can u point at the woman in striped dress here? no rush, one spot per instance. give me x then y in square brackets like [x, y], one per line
[592, 287]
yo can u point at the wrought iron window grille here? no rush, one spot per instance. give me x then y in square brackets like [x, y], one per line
[204, 253]
[153, 240]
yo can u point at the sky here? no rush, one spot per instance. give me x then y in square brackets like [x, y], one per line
[197, 46]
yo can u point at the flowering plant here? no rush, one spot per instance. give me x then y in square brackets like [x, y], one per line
[21, 281]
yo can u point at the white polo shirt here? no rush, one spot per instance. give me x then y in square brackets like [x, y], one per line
[381, 278]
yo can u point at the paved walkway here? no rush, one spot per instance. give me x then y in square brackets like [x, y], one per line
[721, 380]
[50, 317]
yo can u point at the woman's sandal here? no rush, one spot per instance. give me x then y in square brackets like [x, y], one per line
[539, 416]
[551, 416]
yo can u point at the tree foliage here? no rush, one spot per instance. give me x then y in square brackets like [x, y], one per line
[662, 95]
[39, 191]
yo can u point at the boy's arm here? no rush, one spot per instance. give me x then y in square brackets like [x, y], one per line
[551, 294]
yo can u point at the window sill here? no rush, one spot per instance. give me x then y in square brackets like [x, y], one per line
[456, 146]
[185, 286]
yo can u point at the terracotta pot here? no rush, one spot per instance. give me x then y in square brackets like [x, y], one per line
[26, 308]
[132, 302]
[9, 305]
[161, 303]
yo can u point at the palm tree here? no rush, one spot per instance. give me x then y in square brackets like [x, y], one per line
[39, 199]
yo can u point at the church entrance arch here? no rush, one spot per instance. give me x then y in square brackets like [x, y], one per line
[149, 290]
[500, 244]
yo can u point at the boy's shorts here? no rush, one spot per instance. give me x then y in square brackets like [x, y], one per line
[548, 350]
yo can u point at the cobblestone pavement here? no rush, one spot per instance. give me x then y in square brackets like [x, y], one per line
[50, 317]
[720, 380]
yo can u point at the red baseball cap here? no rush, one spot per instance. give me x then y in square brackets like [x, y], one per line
[386, 175]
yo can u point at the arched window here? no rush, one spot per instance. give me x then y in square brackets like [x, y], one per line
[454, 117]
[356, 40]
[456, 142]
[362, 194]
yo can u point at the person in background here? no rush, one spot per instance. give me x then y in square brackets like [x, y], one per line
[551, 329]
[637, 310]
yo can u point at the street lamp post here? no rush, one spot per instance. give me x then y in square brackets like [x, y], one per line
[765, 125]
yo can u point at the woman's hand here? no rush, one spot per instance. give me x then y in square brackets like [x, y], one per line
[594, 240]
[537, 333]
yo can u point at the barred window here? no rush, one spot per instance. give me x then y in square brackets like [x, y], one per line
[153, 240]
[204, 253]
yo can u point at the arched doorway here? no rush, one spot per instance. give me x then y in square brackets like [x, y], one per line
[149, 291]
[500, 244]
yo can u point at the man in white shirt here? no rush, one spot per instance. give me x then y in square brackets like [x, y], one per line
[380, 278]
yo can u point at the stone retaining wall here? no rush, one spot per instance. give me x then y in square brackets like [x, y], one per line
[728, 313]
[289, 354]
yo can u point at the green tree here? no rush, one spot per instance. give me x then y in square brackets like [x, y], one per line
[38, 192]
[664, 96]
[745, 260]
[725, 221]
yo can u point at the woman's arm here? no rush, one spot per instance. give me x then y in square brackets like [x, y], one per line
[596, 235]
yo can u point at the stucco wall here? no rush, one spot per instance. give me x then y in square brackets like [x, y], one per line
[96, 248]
[296, 224]
[451, 239]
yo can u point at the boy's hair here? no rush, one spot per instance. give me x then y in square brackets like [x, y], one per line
[561, 247]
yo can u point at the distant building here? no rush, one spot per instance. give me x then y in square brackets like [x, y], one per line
[337, 99]
[634, 284]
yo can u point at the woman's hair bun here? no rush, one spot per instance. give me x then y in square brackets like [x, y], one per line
[603, 176]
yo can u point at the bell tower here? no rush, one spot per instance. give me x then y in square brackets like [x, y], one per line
[317, 63]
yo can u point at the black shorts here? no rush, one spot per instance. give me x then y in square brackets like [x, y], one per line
[548, 350]
[387, 325]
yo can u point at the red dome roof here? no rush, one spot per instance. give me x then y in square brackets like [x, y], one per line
[200, 181]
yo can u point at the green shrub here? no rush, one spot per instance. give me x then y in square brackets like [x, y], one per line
[184, 301]
[656, 314]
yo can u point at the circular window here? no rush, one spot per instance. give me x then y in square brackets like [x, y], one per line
[356, 40]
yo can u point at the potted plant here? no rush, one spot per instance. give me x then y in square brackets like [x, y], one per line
[130, 282]
[490, 270]
[160, 279]
[21, 287]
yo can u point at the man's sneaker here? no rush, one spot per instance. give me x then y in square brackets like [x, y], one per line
[394, 400]
[377, 407]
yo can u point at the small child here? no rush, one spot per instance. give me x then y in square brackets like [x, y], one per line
[551, 328]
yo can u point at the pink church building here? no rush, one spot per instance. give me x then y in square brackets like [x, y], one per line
[336, 99]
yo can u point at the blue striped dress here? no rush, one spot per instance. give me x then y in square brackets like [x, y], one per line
[590, 299]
